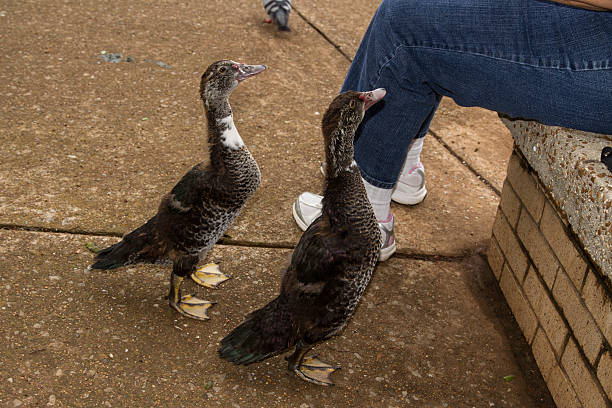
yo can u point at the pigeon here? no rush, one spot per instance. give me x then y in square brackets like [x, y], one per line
[278, 10]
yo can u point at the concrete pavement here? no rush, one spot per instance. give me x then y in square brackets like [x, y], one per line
[89, 148]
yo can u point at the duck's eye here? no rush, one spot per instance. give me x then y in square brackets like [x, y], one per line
[352, 104]
[222, 70]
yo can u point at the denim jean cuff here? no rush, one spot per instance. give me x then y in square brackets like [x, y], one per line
[376, 183]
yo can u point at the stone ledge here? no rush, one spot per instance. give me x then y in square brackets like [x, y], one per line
[550, 251]
[568, 164]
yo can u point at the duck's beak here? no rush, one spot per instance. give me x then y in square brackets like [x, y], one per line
[371, 97]
[246, 71]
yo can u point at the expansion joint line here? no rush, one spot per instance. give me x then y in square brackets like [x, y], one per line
[226, 241]
[322, 34]
[465, 163]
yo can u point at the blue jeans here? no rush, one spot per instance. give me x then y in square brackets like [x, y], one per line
[526, 58]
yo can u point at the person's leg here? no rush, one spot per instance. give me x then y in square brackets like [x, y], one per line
[532, 59]
[404, 114]
[526, 58]
[410, 186]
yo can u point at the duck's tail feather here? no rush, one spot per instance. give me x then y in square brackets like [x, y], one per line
[281, 18]
[135, 247]
[265, 333]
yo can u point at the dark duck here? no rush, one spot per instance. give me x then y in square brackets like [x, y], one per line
[330, 266]
[202, 205]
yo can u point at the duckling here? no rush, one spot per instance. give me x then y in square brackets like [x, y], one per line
[202, 205]
[330, 266]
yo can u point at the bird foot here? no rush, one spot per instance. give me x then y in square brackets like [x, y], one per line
[315, 371]
[192, 307]
[267, 20]
[209, 276]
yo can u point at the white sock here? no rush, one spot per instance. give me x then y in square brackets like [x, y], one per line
[380, 198]
[413, 158]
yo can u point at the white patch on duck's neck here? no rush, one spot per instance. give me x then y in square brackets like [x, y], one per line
[230, 137]
[352, 166]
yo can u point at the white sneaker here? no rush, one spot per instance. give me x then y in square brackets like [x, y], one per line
[308, 207]
[387, 232]
[410, 188]
[409, 191]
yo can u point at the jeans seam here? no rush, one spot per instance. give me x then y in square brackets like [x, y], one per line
[472, 53]
[385, 64]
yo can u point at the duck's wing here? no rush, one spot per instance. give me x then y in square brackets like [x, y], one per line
[177, 209]
[320, 254]
[187, 192]
[150, 242]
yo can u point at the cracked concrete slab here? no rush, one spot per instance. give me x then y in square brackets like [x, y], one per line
[345, 33]
[478, 136]
[75, 337]
[457, 204]
[92, 146]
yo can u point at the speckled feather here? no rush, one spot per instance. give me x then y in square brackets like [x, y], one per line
[203, 204]
[332, 263]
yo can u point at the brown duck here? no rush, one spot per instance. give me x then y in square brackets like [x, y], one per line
[202, 205]
[330, 266]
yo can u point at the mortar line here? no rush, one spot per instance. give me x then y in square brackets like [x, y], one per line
[413, 255]
[438, 138]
